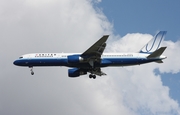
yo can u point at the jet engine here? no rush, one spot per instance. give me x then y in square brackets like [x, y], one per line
[74, 59]
[75, 72]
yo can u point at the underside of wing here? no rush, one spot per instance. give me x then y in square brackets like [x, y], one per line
[97, 71]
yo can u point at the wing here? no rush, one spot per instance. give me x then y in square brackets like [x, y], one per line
[93, 55]
[97, 48]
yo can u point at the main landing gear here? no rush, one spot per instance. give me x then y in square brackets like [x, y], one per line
[92, 76]
[31, 69]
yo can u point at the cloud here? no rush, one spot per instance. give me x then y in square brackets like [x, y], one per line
[142, 90]
[171, 65]
[72, 26]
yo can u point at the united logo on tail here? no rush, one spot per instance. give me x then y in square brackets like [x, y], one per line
[154, 43]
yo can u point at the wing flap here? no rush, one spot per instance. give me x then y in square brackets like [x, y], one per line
[97, 71]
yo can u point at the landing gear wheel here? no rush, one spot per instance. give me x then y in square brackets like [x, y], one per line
[92, 76]
[32, 73]
[31, 69]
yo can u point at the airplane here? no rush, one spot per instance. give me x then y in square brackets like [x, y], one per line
[93, 59]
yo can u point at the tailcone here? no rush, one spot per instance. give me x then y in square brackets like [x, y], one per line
[163, 57]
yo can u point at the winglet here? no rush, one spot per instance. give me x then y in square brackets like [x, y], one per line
[157, 53]
[154, 43]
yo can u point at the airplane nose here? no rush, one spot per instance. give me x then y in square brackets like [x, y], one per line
[15, 62]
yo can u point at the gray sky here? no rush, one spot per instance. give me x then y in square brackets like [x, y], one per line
[73, 26]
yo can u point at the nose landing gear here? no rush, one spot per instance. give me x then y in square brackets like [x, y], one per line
[31, 69]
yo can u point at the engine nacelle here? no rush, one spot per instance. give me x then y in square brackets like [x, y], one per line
[75, 72]
[74, 59]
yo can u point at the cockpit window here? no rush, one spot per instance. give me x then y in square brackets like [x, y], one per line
[20, 57]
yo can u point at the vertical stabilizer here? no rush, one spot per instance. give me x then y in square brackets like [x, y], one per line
[154, 43]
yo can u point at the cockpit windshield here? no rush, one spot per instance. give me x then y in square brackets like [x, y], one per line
[20, 57]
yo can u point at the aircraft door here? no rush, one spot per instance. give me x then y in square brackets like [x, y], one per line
[29, 57]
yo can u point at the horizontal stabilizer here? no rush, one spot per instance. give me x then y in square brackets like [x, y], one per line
[159, 61]
[157, 53]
